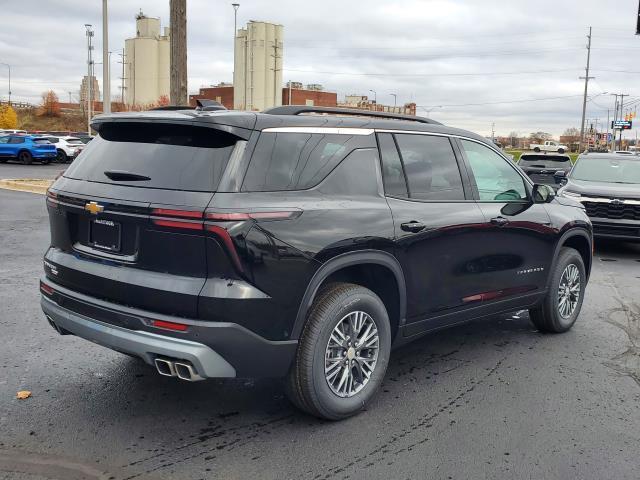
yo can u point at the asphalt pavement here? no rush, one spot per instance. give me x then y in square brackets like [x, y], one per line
[493, 399]
[14, 169]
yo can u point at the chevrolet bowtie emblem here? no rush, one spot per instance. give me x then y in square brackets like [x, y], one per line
[94, 208]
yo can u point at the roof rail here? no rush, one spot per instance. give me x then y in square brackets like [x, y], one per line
[299, 109]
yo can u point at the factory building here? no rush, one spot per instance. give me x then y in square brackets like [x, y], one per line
[257, 79]
[311, 95]
[146, 61]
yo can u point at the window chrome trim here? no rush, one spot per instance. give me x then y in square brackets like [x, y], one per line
[321, 130]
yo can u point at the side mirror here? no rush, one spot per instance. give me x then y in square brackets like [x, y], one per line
[560, 177]
[543, 193]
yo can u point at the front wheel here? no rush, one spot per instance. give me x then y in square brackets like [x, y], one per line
[561, 307]
[342, 354]
[537, 149]
[561, 150]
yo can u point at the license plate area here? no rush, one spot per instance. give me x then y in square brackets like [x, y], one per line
[105, 235]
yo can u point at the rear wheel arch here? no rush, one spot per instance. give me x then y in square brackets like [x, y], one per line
[376, 270]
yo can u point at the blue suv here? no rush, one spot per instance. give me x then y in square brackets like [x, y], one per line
[26, 148]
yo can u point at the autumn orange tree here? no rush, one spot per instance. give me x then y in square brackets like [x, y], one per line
[8, 117]
[50, 104]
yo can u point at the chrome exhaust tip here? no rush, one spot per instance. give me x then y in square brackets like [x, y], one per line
[165, 367]
[185, 371]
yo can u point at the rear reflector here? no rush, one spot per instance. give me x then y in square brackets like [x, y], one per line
[178, 327]
[240, 216]
[46, 288]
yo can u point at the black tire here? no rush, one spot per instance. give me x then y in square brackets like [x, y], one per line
[561, 150]
[537, 149]
[25, 157]
[548, 317]
[61, 157]
[306, 385]
[45, 161]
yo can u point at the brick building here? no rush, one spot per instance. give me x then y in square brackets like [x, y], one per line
[223, 93]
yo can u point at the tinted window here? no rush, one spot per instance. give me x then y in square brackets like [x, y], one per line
[544, 159]
[495, 178]
[41, 141]
[16, 140]
[430, 166]
[294, 161]
[616, 170]
[392, 171]
[74, 141]
[174, 157]
[4, 139]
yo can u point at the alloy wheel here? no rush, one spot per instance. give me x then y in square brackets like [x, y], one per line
[351, 354]
[569, 291]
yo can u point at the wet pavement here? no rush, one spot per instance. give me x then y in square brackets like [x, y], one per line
[490, 399]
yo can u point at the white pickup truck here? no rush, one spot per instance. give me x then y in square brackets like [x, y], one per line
[549, 146]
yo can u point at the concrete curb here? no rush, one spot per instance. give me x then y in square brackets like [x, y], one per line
[31, 185]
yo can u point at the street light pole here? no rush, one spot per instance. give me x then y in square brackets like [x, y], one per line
[395, 98]
[235, 6]
[586, 88]
[9, 67]
[89, 76]
[106, 64]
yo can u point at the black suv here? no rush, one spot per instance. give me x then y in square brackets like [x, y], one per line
[301, 243]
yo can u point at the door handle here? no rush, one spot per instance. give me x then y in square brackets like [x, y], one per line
[499, 221]
[413, 226]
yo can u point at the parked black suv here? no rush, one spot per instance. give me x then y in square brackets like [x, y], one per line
[300, 242]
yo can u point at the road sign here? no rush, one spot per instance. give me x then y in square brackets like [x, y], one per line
[621, 125]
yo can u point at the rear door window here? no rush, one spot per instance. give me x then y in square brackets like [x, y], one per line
[173, 157]
[430, 166]
[294, 161]
[16, 140]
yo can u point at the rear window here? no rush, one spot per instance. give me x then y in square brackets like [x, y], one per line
[173, 157]
[74, 141]
[294, 161]
[545, 158]
[41, 141]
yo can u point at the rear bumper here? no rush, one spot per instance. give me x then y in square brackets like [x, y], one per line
[215, 349]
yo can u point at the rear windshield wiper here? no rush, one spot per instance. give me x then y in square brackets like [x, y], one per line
[121, 175]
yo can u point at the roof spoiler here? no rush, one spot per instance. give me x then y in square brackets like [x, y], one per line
[202, 104]
[302, 109]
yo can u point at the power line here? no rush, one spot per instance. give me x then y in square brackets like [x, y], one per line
[468, 74]
[505, 101]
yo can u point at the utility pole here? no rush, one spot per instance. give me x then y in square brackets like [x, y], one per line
[586, 89]
[493, 131]
[89, 75]
[275, 71]
[178, 45]
[106, 64]
[122, 78]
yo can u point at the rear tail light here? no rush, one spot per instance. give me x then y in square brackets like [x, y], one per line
[187, 219]
[52, 198]
[241, 216]
[46, 288]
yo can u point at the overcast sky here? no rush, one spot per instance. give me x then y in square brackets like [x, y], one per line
[496, 55]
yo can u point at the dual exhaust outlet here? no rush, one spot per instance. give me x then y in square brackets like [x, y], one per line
[176, 368]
